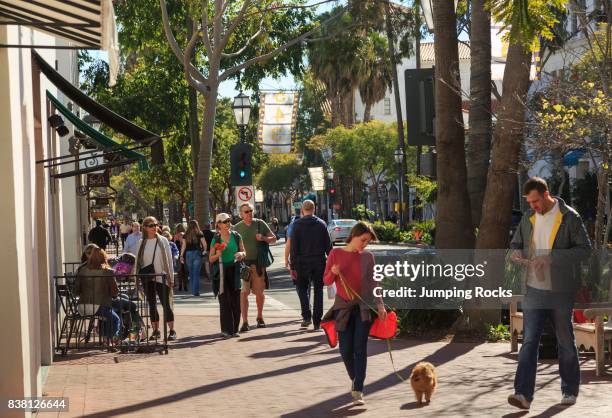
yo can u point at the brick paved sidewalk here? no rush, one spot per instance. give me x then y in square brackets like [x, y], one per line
[284, 371]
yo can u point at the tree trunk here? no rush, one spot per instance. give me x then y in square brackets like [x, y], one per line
[401, 141]
[603, 194]
[453, 218]
[347, 109]
[367, 112]
[479, 142]
[193, 113]
[501, 179]
[202, 183]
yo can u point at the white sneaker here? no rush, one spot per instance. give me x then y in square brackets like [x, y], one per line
[357, 397]
[568, 400]
[519, 401]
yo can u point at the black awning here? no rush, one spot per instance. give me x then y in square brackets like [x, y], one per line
[102, 113]
[77, 21]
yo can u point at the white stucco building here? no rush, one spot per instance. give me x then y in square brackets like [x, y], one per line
[43, 217]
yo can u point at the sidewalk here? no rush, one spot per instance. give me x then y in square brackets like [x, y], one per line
[284, 371]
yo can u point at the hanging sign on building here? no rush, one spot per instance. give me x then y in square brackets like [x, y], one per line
[277, 121]
[98, 179]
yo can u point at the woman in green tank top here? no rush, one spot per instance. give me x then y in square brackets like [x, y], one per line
[226, 249]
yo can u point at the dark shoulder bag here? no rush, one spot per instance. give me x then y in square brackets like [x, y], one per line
[150, 269]
[245, 271]
[264, 255]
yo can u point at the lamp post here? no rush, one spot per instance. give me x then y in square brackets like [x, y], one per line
[330, 176]
[242, 113]
[326, 153]
[399, 159]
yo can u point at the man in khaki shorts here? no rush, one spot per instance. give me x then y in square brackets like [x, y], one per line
[252, 230]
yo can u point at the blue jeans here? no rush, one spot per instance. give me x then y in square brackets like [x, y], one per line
[193, 260]
[354, 348]
[113, 322]
[307, 274]
[558, 308]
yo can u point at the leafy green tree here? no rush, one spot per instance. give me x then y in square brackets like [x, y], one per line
[365, 150]
[155, 97]
[256, 38]
[284, 176]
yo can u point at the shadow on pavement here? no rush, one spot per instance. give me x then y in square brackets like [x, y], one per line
[445, 354]
[207, 389]
[413, 405]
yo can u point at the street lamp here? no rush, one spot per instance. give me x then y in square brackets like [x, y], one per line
[242, 112]
[399, 159]
[327, 154]
[427, 6]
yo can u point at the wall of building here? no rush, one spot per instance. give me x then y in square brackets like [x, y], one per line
[32, 214]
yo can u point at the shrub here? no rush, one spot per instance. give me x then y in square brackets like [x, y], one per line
[420, 231]
[500, 332]
[361, 213]
[387, 231]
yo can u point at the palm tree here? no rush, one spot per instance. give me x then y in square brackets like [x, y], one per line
[377, 77]
[337, 64]
[453, 216]
[479, 142]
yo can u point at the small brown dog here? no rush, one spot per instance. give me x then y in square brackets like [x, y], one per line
[424, 381]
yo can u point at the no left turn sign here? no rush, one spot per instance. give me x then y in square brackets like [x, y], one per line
[244, 194]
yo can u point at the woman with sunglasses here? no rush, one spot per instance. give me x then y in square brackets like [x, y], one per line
[226, 250]
[155, 257]
[193, 247]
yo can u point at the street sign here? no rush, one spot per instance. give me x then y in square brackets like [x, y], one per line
[244, 194]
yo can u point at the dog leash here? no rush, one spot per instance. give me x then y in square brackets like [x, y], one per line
[351, 294]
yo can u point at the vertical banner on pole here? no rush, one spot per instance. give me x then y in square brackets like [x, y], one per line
[277, 121]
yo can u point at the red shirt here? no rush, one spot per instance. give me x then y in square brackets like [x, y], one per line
[350, 265]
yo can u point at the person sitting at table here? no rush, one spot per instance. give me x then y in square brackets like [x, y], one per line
[96, 286]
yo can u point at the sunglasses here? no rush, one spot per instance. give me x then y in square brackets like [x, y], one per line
[225, 221]
[150, 226]
[247, 211]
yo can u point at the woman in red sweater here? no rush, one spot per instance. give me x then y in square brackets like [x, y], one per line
[351, 269]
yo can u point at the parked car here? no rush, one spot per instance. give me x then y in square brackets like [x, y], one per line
[339, 229]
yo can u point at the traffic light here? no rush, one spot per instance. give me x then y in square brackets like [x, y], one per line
[331, 189]
[240, 162]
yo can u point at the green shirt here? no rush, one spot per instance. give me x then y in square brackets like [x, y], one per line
[248, 236]
[227, 256]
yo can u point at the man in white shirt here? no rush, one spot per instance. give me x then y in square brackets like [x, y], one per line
[550, 242]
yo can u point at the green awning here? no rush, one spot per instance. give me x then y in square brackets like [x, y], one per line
[99, 137]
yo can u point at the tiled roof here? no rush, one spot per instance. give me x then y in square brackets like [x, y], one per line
[427, 51]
